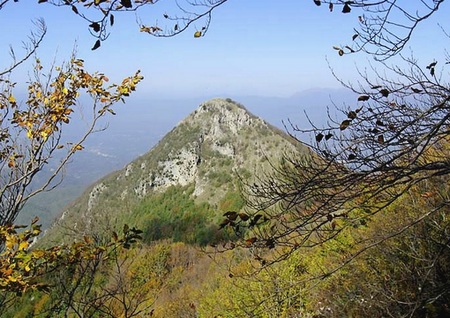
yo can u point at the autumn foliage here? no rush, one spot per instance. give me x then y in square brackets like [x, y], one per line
[31, 131]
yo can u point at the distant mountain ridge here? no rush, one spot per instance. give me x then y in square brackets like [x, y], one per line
[204, 156]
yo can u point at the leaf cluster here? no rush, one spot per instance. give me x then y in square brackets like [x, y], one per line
[22, 267]
[31, 132]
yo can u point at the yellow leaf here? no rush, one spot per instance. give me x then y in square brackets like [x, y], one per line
[23, 245]
[12, 279]
[77, 147]
[44, 134]
[78, 62]
[197, 34]
[12, 99]
[38, 253]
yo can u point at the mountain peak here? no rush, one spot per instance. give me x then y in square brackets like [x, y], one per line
[216, 145]
[221, 116]
[221, 104]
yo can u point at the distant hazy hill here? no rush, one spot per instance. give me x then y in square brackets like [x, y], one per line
[181, 187]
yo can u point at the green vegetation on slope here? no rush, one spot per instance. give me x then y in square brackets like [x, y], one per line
[174, 214]
[174, 279]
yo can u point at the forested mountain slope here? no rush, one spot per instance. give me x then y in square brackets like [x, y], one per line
[202, 160]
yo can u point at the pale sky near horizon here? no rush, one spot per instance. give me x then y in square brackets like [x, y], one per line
[264, 48]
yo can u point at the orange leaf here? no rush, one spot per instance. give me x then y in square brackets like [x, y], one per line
[250, 241]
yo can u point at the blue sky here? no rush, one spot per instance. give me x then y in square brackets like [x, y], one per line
[252, 47]
[264, 47]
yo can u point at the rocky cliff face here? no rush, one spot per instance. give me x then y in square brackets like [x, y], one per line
[207, 150]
